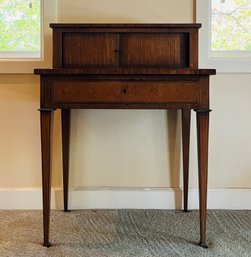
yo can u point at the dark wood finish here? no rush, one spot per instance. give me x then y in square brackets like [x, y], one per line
[202, 140]
[79, 90]
[66, 120]
[154, 50]
[126, 66]
[90, 50]
[186, 121]
[125, 71]
[193, 50]
[123, 26]
[46, 149]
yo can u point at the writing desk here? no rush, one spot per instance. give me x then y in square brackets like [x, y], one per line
[125, 66]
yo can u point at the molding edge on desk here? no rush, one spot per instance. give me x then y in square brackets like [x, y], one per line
[123, 198]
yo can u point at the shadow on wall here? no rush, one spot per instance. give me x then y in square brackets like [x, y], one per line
[174, 151]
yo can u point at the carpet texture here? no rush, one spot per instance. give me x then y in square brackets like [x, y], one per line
[143, 233]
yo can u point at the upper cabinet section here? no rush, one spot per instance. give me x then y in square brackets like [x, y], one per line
[125, 46]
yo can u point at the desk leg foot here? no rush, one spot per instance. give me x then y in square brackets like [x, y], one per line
[46, 116]
[202, 140]
[47, 244]
[186, 121]
[66, 121]
[203, 245]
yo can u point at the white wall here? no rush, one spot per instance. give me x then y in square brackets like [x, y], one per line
[230, 151]
[134, 149]
[125, 11]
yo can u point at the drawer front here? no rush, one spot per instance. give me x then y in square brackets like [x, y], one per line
[79, 91]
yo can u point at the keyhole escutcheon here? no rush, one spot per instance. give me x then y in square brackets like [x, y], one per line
[124, 90]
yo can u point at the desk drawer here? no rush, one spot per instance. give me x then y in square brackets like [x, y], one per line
[80, 91]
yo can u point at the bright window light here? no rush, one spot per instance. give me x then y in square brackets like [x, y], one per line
[231, 26]
[225, 36]
[20, 29]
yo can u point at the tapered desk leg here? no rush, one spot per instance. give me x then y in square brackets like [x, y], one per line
[66, 118]
[202, 140]
[46, 118]
[186, 121]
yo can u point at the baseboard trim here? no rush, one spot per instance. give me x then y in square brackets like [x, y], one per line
[123, 198]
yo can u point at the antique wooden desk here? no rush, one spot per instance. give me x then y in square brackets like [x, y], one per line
[125, 66]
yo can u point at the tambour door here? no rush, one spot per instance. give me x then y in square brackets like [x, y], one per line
[89, 50]
[155, 50]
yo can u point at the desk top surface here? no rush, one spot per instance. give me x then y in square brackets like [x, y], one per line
[123, 71]
[125, 25]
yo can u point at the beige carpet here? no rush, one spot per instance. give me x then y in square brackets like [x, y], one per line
[142, 233]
